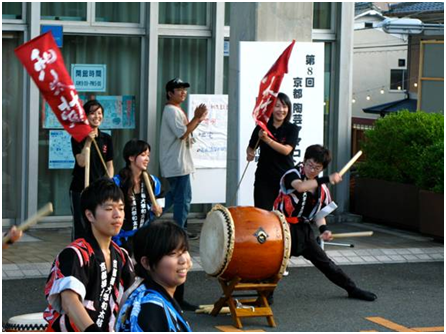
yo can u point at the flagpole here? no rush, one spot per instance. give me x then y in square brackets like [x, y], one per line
[243, 175]
[87, 167]
[102, 159]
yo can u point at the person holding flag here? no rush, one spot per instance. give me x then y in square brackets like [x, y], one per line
[276, 135]
[95, 116]
[44, 63]
[276, 152]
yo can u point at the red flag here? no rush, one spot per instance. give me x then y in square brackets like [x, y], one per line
[44, 63]
[269, 89]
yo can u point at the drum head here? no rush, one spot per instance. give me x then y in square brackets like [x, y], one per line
[286, 242]
[217, 241]
[32, 322]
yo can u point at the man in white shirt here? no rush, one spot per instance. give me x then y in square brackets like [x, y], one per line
[176, 141]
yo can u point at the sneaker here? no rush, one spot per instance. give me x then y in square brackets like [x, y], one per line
[286, 273]
[192, 236]
[362, 294]
[185, 306]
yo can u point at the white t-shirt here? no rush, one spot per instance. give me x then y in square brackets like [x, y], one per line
[175, 154]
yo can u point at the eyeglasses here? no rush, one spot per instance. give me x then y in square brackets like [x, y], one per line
[313, 167]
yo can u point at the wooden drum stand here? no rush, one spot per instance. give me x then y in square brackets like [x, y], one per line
[246, 308]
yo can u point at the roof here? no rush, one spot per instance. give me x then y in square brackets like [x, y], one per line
[382, 109]
[361, 7]
[405, 8]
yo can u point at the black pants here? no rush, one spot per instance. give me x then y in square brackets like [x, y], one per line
[79, 228]
[265, 193]
[303, 242]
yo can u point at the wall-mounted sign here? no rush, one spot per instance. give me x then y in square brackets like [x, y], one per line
[119, 113]
[57, 32]
[304, 85]
[89, 77]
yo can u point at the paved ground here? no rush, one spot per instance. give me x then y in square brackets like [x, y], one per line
[410, 298]
[32, 256]
[405, 269]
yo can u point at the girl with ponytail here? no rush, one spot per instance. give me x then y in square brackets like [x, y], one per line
[138, 208]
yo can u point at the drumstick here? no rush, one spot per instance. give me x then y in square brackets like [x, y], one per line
[208, 309]
[352, 235]
[45, 211]
[87, 167]
[350, 163]
[150, 190]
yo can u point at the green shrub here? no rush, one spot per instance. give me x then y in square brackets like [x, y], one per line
[394, 149]
[430, 174]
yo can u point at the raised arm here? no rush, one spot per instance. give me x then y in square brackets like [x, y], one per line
[199, 115]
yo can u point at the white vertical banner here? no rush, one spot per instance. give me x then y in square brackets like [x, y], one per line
[304, 85]
[209, 149]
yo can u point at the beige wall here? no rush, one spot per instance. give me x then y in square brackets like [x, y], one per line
[375, 54]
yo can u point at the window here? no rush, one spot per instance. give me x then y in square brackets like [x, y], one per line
[398, 79]
[322, 15]
[12, 92]
[401, 62]
[226, 68]
[12, 10]
[327, 89]
[122, 56]
[227, 13]
[431, 81]
[118, 12]
[64, 11]
[184, 58]
[182, 13]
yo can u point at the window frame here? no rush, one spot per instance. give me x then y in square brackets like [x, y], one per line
[403, 81]
[6, 22]
[207, 26]
[103, 28]
[326, 34]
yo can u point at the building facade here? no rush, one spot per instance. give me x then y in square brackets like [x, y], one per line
[379, 65]
[143, 45]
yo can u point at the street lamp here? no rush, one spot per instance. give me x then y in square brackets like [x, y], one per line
[409, 26]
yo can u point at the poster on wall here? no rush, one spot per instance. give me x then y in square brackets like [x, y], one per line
[210, 137]
[209, 150]
[304, 85]
[119, 113]
[89, 77]
[60, 155]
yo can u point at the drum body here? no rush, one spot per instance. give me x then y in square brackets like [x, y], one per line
[32, 322]
[244, 242]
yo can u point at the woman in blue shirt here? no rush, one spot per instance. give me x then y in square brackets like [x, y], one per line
[162, 262]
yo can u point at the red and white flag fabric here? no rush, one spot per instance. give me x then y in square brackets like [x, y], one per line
[269, 89]
[44, 63]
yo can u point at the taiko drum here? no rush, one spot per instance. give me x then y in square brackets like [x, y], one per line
[245, 242]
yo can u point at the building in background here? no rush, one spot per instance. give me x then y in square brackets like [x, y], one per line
[379, 62]
[142, 46]
[425, 82]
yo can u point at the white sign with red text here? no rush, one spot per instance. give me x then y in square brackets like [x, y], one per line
[304, 85]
